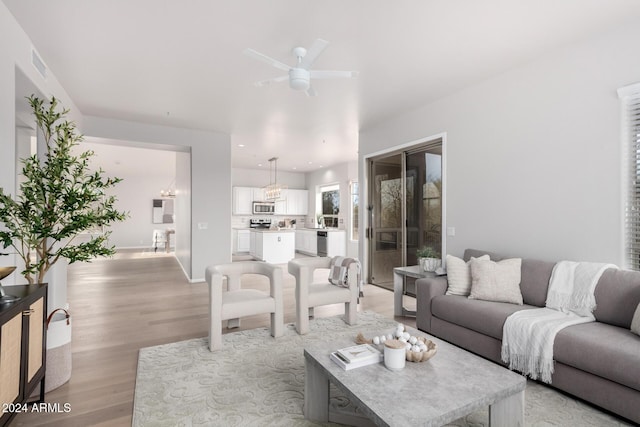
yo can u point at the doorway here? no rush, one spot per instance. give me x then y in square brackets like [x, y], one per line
[405, 209]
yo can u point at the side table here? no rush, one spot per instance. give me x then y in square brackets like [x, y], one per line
[399, 286]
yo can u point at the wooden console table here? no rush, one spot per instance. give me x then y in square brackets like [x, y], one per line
[23, 338]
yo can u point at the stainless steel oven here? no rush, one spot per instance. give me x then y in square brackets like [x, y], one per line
[322, 243]
[264, 208]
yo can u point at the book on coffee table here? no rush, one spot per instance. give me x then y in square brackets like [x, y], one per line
[356, 356]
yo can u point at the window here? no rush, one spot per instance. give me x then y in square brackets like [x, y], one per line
[354, 210]
[630, 96]
[330, 200]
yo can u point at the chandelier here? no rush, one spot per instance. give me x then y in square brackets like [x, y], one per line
[273, 191]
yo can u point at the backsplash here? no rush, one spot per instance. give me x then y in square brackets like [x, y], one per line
[242, 221]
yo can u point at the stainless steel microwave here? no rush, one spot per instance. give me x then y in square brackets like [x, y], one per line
[264, 208]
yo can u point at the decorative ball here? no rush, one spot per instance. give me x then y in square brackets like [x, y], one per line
[389, 336]
[382, 339]
[407, 345]
[376, 340]
[413, 340]
[415, 348]
[406, 335]
[400, 326]
[403, 339]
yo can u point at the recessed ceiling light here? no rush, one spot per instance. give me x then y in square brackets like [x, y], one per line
[310, 163]
[241, 145]
[294, 168]
[260, 164]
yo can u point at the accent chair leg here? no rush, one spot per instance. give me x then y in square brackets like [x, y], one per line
[350, 313]
[302, 321]
[277, 324]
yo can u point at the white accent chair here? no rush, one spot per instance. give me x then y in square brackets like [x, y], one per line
[236, 302]
[310, 294]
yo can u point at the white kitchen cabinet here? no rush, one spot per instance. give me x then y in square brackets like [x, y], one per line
[242, 200]
[252, 242]
[336, 243]
[281, 205]
[243, 240]
[258, 194]
[275, 247]
[297, 202]
[307, 241]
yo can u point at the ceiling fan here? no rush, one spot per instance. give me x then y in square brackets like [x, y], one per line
[300, 75]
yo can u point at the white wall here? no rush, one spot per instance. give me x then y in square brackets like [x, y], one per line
[210, 184]
[144, 172]
[15, 57]
[342, 174]
[534, 154]
[183, 210]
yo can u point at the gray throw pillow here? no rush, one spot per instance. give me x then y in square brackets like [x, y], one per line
[635, 323]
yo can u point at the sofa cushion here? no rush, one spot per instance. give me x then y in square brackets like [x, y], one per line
[635, 323]
[459, 275]
[496, 281]
[485, 317]
[617, 296]
[607, 351]
[534, 280]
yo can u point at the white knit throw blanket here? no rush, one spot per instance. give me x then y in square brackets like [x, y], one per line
[339, 272]
[528, 335]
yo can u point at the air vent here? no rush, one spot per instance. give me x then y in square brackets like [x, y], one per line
[38, 63]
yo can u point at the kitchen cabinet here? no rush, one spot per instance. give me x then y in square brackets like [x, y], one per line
[307, 241]
[297, 202]
[242, 200]
[252, 242]
[275, 247]
[241, 240]
[258, 194]
[293, 202]
[22, 346]
[336, 243]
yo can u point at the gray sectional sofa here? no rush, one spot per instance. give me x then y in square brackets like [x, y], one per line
[598, 362]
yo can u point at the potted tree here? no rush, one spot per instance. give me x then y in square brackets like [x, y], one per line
[59, 197]
[428, 258]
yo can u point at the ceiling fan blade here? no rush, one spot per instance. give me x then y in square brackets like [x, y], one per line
[273, 80]
[313, 52]
[311, 91]
[326, 74]
[264, 58]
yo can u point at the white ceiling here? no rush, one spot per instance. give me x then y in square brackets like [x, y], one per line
[180, 63]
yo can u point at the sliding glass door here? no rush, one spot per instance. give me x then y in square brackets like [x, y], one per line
[405, 209]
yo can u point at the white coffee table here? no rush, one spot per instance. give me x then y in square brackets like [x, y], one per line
[454, 383]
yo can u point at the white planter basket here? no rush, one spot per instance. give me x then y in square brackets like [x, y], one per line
[429, 264]
[58, 349]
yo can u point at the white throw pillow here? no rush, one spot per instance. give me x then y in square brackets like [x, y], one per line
[496, 281]
[635, 323]
[459, 275]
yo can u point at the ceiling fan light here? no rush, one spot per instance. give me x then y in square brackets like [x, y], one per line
[299, 79]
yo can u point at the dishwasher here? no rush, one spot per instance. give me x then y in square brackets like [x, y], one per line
[322, 243]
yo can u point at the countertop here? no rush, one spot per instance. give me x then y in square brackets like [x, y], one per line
[331, 230]
[273, 230]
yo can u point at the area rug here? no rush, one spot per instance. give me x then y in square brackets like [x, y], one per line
[256, 380]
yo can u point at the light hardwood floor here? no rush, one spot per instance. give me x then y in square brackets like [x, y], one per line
[138, 300]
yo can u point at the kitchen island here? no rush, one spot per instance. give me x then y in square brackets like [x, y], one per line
[272, 245]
